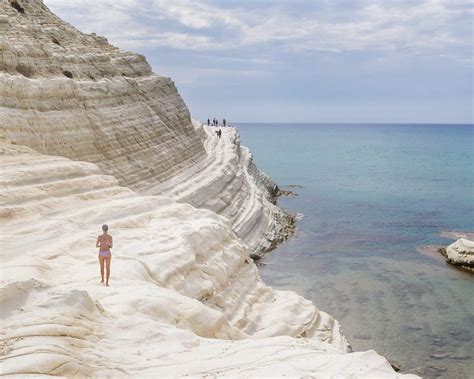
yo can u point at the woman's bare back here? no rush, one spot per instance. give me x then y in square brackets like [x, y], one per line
[104, 242]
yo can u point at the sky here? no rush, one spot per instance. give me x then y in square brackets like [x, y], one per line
[360, 61]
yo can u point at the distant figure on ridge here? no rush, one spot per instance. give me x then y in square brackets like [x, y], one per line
[104, 243]
[224, 122]
[208, 122]
[219, 133]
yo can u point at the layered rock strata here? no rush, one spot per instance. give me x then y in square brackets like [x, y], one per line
[182, 286]
[67, 93]
[228, 183]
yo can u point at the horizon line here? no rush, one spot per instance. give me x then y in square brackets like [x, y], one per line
[350, 123]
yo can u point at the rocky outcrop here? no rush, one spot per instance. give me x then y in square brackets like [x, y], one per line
[228, 183]
[71, 94]
[461, 253]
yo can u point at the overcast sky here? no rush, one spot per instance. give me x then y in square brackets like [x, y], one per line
[299, 60]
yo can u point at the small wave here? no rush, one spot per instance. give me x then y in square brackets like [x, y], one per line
[432, 251]
[454, 235]
[299, 216]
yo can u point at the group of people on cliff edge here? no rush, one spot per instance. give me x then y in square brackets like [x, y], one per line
[215, 122]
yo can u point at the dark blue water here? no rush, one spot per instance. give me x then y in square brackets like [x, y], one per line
[373, 196]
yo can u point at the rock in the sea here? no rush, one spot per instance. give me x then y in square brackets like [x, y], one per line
[395, 365]
[442, 251]
[461, 253]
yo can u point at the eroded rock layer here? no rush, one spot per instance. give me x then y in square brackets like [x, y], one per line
[182, 286]
[63, 92]
[228, 183]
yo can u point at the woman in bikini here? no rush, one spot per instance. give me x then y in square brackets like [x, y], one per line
[104, 243]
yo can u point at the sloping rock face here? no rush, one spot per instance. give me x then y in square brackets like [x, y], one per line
[228, 183]
[73, 94]
[63, 92]
[185, 298]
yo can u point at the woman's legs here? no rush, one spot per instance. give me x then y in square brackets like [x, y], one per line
[107, 261]
[101, 261]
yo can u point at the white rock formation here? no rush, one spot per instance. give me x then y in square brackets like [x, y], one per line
[185, 298]
[89, 135]
[67, 93]
[461, 253]
[228, 183]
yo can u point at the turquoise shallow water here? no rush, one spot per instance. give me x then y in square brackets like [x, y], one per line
[371, 196]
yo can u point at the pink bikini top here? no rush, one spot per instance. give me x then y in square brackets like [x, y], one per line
[104, 242]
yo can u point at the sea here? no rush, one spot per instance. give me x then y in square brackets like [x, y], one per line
[374, 202]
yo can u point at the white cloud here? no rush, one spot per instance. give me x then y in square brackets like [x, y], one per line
[192, 75]
[195, 14]
[379, 26]
[180, 41]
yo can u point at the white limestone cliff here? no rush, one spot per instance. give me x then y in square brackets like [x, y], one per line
[72, 94]
[90, 135]
[228, 183]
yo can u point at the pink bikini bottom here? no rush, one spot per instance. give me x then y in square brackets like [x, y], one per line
[105, 253]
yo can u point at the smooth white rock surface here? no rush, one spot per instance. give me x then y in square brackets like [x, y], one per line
[185, 298]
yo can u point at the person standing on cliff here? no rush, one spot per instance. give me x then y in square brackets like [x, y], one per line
[224, 122]
[208, 122]
[104, 243]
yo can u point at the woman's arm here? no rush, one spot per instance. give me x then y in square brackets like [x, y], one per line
[97, 244]
[111, 242]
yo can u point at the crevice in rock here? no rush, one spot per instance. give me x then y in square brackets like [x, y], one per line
[24, 70]
[56, 41]
[68, 74]
[17, 6]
